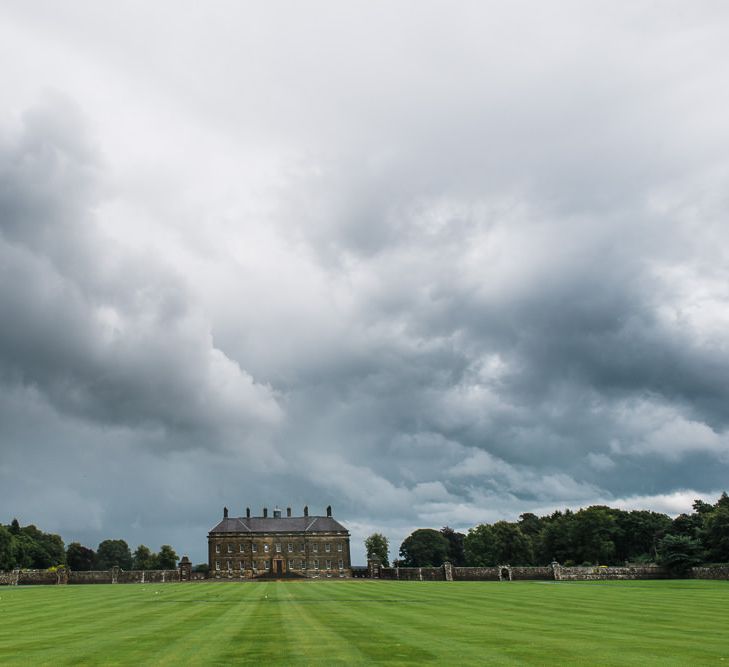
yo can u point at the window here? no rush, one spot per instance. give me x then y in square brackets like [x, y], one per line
[329, 565]
[327, 547]
[291, 565]
[217, 564]
[254, 548]
[230, 567]
[290, 547]
[217, 548]
[278, 548]
[302, 547]
[230, 548]
[241, 548]
[265, 548]
[341, 564]
[267, 564]
[240, 565]
[339, 547]
[316, 548]
[316, 564]
[302, 564]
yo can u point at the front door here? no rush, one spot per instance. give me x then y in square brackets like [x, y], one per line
[278, 567]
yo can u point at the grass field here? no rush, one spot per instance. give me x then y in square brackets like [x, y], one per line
[600, 623]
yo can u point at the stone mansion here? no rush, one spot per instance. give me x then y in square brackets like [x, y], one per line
[250, 547]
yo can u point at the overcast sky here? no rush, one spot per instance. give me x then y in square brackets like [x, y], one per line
[428, 262]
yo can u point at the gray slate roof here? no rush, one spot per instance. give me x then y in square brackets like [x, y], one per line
[289, 524]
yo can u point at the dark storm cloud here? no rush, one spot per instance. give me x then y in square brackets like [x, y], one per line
[101, 334]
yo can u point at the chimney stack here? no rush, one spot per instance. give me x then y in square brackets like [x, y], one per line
[306, 510]
[329, 510]
[265, 512]
[225, 512]
[248, 512]
[288, 511]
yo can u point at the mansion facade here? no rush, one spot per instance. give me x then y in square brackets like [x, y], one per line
[279, 546]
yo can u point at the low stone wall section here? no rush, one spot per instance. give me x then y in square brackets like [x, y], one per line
[413, 573]
[148, 576]
[475, 574]
[532, 573]
[115, 576]
[32, 577]
[90, 577]
[716, 572]
[596, 573]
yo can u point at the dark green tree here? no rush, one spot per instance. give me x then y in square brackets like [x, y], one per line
[456, 553]
[378, 545]
[688, 525]
[702, 507]
[715, 534]
[166, 558]
[23, 548]
[679, 553]
[113, 552]
[638, 533]
[478, 545]
[424, 547]
[530, 524]
[556, 539]
[593, 532]
[79, 557]
[143, 558]
[7, 557]
[511, 546]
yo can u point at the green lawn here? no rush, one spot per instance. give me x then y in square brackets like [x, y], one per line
[600, 623]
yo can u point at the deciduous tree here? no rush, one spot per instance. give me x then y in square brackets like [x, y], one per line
[113, 552]
[424, 547]
[378, 545]
[79, 557]
[679, 553]
[166, 558]
[456, 554]
[143, 559]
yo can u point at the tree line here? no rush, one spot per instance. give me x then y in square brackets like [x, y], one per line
[27, 547]
[595, 535]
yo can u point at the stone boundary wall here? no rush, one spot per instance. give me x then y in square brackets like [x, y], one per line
[148, 576]
[446, 572]
[532, 573]
[476, 573]
[413, 573]
[554, 572]
[123, 576]
[716, 572]
[113, 576]
[594, 573]
[30, 577]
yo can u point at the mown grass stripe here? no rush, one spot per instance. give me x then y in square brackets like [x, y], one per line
[356, 622]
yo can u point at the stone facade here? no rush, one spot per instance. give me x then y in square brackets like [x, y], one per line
[279, 546]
